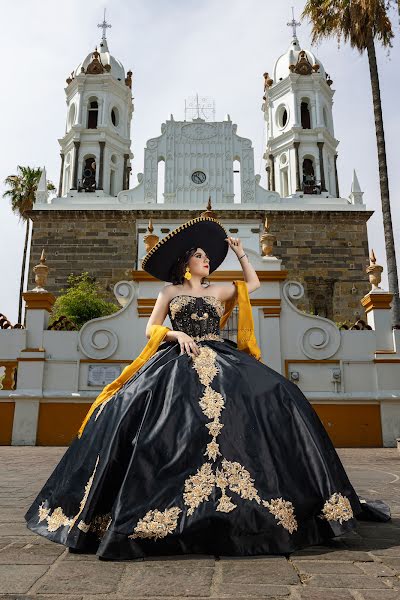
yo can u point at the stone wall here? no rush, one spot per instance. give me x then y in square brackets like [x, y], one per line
[326, 251]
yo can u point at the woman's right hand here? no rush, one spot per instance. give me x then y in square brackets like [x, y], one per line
[187, 344]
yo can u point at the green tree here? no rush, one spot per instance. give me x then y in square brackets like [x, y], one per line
[362, 23]
[82, 301]
[21, 192]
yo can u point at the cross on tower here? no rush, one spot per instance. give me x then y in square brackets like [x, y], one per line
[293, 24]
[104, 25]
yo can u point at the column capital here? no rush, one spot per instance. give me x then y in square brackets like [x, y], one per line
[377, 300]
[39, 300]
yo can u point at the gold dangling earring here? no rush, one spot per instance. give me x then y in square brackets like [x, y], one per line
[188, 274]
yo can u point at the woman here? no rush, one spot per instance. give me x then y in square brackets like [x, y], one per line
[198, 446]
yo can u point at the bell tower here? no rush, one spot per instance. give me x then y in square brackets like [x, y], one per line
[95, 150]
[300, 146]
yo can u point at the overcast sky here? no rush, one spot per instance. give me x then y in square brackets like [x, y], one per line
[175, 48]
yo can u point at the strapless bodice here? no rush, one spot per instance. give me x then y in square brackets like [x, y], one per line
[198, 316]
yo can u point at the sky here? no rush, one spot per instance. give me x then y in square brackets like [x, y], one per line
[177, 48]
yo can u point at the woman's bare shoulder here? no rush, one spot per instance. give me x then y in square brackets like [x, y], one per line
[222, 291]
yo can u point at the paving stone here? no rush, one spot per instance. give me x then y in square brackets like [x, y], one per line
[388, 551]
[101, 578]
[187, 560]
[383, 595]
[392, 582]
[18, 528]
[22, 553]
[376, 569]
[35, 597]
[175, 579]
[17, 579]
[326, 566]
[269, 571]
[393, 562]
[234, 590]
[326, 594]
[347, 581]
[340, 555]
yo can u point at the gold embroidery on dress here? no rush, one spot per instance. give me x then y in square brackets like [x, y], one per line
[197, 317]
[211, 402]
[207, 336]
[178, 303]
[86, 494]
[225, 503]
[57, 518]
[216, 303]
[98, 525]
[156, 524]
[205, 365]
[283, 510]
[337, 508]
[83, 526]
[198, 487]
[240, 481]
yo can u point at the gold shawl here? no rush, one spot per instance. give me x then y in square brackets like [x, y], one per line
[246, 341]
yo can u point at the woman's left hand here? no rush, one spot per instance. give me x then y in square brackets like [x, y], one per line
[235, 244]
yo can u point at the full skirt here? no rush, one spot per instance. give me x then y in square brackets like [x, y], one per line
[216, 454]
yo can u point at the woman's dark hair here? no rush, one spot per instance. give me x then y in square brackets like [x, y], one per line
[179, 268]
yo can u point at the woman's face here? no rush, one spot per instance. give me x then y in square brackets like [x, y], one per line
[199, 263]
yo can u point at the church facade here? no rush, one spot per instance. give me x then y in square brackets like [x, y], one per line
[98, 220]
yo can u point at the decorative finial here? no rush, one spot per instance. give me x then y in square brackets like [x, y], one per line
[267, 240]
[149, 238]
[104, 25]
[208, 212]
[293, 24]
[374, 272]
[41, 272]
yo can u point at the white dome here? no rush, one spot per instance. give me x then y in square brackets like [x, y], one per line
[281, 69]
[117, 70]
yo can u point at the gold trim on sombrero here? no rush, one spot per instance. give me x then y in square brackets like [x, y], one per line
[177, 230]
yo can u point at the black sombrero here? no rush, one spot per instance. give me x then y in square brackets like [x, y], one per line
[203, 232]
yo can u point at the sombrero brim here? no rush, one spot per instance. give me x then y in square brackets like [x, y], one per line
[203, 232]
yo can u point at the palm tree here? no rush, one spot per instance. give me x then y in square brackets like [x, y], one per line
[21, 192]
[361, 22]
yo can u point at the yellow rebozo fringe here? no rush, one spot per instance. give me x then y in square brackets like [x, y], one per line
[246, 341]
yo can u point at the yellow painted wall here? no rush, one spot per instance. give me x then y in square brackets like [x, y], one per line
[59, 422]
[352, 425]
[6, 422]
[348, 425]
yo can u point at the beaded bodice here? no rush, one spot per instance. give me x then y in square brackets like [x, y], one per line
[198, 316]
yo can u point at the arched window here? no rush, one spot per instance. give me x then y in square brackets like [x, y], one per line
[88, 183]
[93, 114]
[115, 116]
[160, 180]
[112, 182]
[282, 116]
[305, 115]
[325, 117]
[310, 185]
[67, 174]
[71, 115]
[237, 182]
[284, 183]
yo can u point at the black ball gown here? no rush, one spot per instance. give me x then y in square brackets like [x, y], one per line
[212, 454]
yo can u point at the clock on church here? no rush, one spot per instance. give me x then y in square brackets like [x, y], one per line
[198, 177]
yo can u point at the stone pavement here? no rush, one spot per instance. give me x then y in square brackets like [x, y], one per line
[364, 565]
